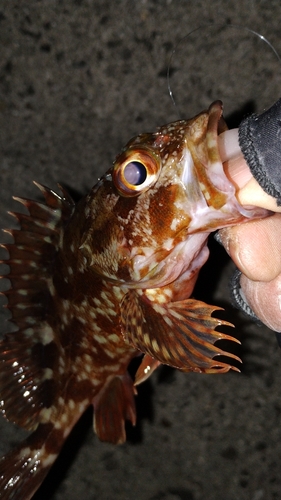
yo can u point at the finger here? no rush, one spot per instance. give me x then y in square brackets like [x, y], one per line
[248, 190]
[255, 247]
[265, 300]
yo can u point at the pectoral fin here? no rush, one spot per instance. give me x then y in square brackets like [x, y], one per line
[180, 334]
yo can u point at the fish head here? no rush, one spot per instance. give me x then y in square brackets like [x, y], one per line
[149, 216]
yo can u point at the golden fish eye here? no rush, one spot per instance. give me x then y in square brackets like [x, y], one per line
[135, 170]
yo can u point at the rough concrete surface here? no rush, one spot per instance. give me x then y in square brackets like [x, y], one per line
[78, 79]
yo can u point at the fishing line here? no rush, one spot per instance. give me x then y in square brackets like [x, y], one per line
[210, 62]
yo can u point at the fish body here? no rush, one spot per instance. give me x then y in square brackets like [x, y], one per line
[96, 284]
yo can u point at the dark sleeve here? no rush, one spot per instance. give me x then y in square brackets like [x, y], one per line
[260, 143]
[240, 301]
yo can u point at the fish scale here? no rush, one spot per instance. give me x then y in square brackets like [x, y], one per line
[99, 283]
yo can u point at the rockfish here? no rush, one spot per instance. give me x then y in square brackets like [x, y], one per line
[94, 285]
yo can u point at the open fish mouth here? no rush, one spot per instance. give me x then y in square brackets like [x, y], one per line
[212, 196]
[210, 200]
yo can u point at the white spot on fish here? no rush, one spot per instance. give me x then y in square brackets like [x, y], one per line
[29, 332]
[66, 304]
[52, 289]
[47, 458]
[155, 345]
[64, 319]
[100, 339]
[30, 320]
[174, 224]
[25, 452]
[71, 404]
[111, 312]
[113, 337]
[21, 306]
[168, 244]
[48, 374]
[109, 353]
[82, 320]
[45, 415]
[168, 320]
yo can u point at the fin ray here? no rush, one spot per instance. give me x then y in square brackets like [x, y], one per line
[112, 407]
[27, 370]
[30, 355]
[181, 334]
[24, 468]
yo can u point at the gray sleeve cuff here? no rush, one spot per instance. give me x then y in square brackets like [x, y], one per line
[239, 301]
[238, 297]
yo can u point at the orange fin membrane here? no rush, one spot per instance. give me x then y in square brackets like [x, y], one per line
[114, 405]
[29, 356]
[180, 334]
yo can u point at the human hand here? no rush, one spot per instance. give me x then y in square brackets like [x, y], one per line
[254, 247]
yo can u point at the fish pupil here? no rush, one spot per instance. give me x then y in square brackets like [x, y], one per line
[135, 173]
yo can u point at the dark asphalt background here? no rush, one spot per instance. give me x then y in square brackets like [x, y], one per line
[77, 80]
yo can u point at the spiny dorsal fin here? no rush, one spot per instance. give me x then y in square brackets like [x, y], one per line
[29, 356]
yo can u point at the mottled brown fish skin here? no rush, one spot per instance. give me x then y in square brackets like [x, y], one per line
[97, 284]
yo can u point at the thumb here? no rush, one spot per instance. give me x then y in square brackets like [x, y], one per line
[265, 300]
[255, 247]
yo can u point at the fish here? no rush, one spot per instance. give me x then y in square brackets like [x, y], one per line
[109, 279]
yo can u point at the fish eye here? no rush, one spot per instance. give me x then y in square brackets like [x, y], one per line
[135, 170]
[135, 173]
